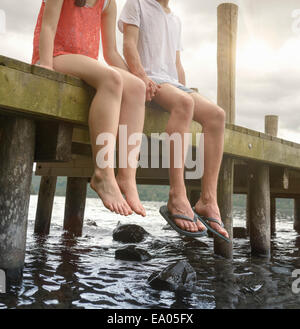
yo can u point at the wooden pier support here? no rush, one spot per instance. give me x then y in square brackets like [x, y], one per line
[45, 204]
[193, 194]
[225, 193]
[273, 215]
[259, 209]
[75, 205]
[227, 38]
[271, 128]
[297, 215]
[16, 164]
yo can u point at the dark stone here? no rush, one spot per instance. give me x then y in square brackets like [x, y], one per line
[132, 253]
[175, 276]
[194, 243]
[129, 233]
[240, 233]
[90, 222]
[167, 227]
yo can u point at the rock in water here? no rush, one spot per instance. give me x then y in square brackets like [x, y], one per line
[175, 276]
[132, 253]
[90, 222]
[129, 233]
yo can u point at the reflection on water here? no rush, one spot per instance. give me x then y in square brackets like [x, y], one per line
[66, 272]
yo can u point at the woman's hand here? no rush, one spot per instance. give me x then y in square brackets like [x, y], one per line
[151, 88]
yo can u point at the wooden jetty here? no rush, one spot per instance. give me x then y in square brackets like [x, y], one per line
[43, 119]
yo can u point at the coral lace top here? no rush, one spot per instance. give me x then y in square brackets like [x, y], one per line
[78, 30]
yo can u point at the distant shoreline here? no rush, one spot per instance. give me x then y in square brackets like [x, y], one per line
[150, 193]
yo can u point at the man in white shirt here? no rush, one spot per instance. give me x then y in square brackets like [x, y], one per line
[152, 45]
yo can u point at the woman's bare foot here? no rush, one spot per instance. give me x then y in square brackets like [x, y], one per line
[129, 189]
[179, 204]
[110, 194]
[211, 209]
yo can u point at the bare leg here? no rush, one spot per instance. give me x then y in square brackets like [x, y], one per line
[132, 116]
[212, 119]
[103, 117]
[180, 105]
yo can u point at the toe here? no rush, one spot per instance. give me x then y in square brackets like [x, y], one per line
[115, 209]
[194, 227]
[200, 226]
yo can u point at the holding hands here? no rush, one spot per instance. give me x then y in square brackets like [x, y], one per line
[151, 88]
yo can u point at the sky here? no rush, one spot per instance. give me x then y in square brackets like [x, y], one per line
[268, 54]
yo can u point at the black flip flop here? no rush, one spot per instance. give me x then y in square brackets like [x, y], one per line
[170, 219]
[205, 221]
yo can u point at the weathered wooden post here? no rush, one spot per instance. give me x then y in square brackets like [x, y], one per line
[45, 204]
[271, 125]
[271, 128]
[75, 205]
[248, 215]
[273, 215]
[16, 164]
[227, 39]
[297, 215]
[259, 209]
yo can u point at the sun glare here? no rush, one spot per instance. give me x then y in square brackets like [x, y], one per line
[256, 54]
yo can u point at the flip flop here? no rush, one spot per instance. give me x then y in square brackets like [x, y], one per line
[205, 221]
[170, 219]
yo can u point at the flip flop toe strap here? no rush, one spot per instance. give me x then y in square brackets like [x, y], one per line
[207, 219]
[184, 217]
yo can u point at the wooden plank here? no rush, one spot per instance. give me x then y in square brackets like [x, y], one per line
[38, 96]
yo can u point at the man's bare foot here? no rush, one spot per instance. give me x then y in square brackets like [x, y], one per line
[110, 194]
[129, 189]
[211, 209]
[179, 204]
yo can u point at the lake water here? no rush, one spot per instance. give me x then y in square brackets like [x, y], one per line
[62, 272]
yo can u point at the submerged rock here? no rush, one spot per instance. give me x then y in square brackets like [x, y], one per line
[194, 243]
[167, 227]
[240, 233]
[90, 222]
[132, 253]
[175, 276]
[129, 233]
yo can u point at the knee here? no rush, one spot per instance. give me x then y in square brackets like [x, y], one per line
[184, 108]
[112, 82]
[220, 115]
[217, 119]
[135, 90]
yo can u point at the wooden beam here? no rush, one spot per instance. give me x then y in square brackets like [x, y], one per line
[42, 94]
[16, 162]
[45, 204]
[259, 209]
[53, 141]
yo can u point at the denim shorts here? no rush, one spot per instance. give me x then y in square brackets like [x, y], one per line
[178, 85]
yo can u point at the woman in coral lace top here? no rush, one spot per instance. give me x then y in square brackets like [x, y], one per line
[66, 39]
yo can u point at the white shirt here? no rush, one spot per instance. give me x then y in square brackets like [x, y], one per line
[159, 37]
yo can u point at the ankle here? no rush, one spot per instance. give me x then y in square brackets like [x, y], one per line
[126, 179]
[207, 199]
[176, 192]
[103, 174]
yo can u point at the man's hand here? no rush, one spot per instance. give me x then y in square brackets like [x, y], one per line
[151, 89]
